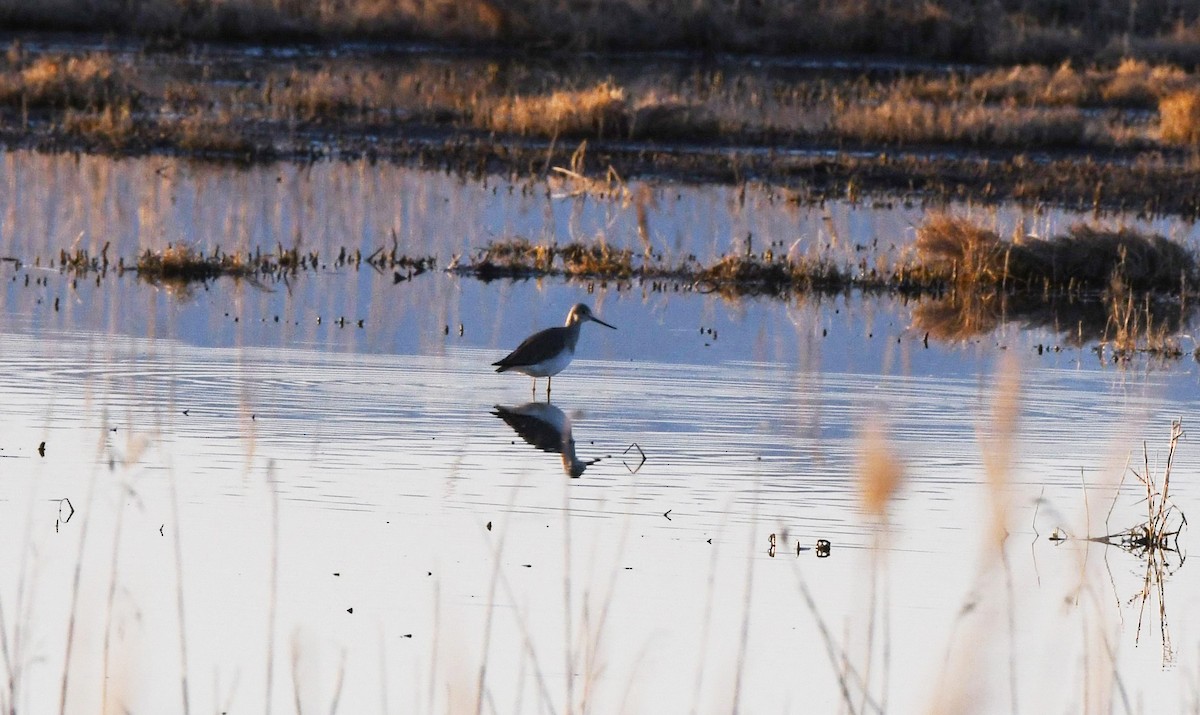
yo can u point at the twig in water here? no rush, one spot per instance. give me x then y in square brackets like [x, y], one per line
[634, 470]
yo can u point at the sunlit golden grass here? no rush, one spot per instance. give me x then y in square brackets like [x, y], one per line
[94, 80]
[1137, 83]
[909, 121]
[1120, 289]
[597, 258]
[597, 111]
[1132, 83]
[203, 134]
[1179, 117]
[965, 254]
[112, 127]
[273, 107]
[1032, 84]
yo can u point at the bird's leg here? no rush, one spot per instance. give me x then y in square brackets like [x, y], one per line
[547, 389]
[533, 392]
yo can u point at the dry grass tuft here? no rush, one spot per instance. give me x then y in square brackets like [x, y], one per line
[113, 127]
[748, 273]
[960, 250]
[515, 257]
[1137, 83]
[597, 259]
[667, 118]
[185, 263]
[1136, 323]
[205, 135]
[1134, 83]
[1032, 84]
[902, 120]
[91, 81]
[598, 111]
[331, 95]
[732, 275]
[967, 255]
[1179, 117]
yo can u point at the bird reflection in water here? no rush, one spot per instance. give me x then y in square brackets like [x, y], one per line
[548, 428]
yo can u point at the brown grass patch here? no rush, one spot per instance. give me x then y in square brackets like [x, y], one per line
[201, 134]
[113, 127]
[596, 259]
[1133, 83]
[666, 118]
[598, 111]
[178, 262]
[1137, 83]
[967, 255]
[907, 121]
[1033, 84]
[1137, 323]
[732, 275]
[1179, 118]
[91, 81]
[327, 94]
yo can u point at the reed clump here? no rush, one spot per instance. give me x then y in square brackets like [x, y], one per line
[1033, 84]
[746, 274]
[732, 275]
[1137, 323]
[1179, 118]
[113, 127]
[597, 111]
[510, 258]
[596, 259]
[59, 81]
[1137, 83]
[184, 263]
[326, 94]
[966, 255]
[903, 120]
[1133, 83]
[206, 135]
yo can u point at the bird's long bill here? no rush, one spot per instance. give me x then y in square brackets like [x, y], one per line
[597, 320]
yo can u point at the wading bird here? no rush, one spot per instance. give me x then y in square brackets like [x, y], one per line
[548, 352]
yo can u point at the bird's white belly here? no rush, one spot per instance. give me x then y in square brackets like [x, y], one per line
[546, 368]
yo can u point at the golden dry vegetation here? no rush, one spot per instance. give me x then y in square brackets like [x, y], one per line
[91, 80]
[468, 113]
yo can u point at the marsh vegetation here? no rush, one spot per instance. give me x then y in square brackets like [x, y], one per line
[1108, 136]
[902, 289]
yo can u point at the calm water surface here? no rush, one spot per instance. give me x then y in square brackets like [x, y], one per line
[272, 508]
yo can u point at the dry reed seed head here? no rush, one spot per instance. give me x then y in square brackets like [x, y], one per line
[879, 471]
[999, 443]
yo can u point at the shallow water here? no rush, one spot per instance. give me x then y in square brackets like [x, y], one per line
[340, 508]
